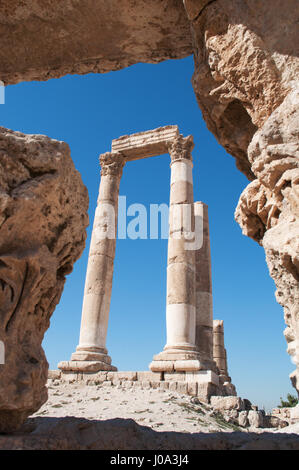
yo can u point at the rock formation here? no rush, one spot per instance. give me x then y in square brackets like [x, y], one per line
[42, 233]
[42, 39]
[72, 433]
[269, 207]
[246, 65]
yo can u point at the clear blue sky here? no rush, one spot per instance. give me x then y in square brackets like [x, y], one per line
[88, 112]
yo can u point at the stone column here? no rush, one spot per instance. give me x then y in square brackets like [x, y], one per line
[220, 358]
[219, 351]
[204, 300]
[91, 353]
[180, 352]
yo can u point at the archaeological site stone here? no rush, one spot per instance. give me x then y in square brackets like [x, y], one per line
[186, 363]
[42, 233]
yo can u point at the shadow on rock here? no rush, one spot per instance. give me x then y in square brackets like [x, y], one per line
[72, 433]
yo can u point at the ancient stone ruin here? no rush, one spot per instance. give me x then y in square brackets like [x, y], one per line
[246, 84]
[194, 353]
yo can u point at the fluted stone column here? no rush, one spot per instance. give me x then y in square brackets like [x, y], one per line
[91, 353]
[180, 352]
[204, 300]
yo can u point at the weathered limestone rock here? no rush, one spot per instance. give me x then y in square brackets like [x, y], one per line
[255, 418]
[243, 418]
[244, 64]
[145, 144]
[270, 421]
[42, 39]
[42, 232]
[294, 413]
[246, 83]
[242, 413]
[227, 403]
[269, 207]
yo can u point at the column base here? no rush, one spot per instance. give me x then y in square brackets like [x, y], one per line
[87, 361]
[181, 359]
[172, 359]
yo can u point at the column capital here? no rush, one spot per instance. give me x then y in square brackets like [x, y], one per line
[180, 148]
[112, 163]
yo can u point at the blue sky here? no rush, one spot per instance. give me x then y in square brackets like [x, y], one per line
[88, 112]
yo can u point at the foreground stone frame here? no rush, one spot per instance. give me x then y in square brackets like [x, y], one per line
[43, 220]
[244, 102]
[188, 354]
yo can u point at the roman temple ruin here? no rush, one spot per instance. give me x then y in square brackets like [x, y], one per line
[194, 358]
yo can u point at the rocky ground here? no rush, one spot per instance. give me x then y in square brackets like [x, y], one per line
[158, 409]
[107, 417]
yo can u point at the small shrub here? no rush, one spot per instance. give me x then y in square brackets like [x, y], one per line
[289, 403]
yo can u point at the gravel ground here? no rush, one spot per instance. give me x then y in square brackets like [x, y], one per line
[161, 410]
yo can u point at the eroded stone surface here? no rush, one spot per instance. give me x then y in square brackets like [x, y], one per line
[145, 144]
[42, 232]
[42, 39]
[269, 207]
[244, 65]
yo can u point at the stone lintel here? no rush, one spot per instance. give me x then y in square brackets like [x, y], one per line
[145, 144]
